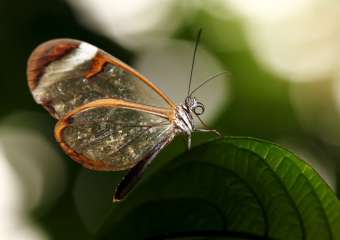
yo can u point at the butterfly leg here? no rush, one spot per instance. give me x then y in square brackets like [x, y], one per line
[209, 130]
[189, 142]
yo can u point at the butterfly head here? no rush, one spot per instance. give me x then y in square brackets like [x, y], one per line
[194, 106]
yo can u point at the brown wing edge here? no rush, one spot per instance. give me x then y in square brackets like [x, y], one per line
[45, 54]
[99, 165]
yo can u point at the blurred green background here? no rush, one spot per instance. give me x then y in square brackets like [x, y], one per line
[283, 86]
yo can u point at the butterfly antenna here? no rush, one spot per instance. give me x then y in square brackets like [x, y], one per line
[208, 80]
[194, 58]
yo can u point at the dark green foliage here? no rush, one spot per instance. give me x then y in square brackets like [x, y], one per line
[227, 187]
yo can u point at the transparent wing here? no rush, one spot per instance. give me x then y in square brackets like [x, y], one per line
[112, 138]
[64, 74]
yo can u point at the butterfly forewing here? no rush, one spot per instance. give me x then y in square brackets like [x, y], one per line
[64, 74]
[112, 138]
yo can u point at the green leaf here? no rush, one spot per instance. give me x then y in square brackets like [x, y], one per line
[232, 188]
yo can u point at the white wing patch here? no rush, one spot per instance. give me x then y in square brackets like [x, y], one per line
[57, 70]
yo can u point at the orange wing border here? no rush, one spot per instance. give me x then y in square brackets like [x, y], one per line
[116, 103]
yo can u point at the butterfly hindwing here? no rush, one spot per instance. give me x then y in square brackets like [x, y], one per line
[112, 137]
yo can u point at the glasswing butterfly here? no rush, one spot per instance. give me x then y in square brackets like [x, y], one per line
[110, 117]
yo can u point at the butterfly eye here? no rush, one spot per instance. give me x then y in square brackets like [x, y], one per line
[199, 109]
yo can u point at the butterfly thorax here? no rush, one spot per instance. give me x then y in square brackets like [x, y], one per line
[183, 119]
